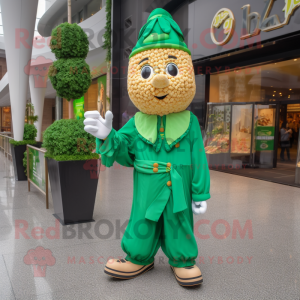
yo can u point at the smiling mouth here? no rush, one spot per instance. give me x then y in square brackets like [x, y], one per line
[162, 97]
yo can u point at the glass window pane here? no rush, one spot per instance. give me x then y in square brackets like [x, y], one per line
[1, 30]
[241, 129]
[218, 129]
[81, 16]
[1, 19]
[271, 82]
[93, 7]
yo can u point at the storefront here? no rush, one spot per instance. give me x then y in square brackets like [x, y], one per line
[252, 72]
[5, 119]
[247, 66]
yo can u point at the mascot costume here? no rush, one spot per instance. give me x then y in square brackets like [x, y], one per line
[164, 145]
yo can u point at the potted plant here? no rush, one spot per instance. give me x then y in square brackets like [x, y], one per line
[70, 75]
[19, 147]
[73, 170]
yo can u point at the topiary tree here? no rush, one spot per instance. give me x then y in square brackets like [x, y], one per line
[66, 140]
[70, 75]
[69, 41]
[29, 136]
[30, 132]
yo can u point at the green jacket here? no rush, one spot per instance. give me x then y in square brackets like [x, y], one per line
[180, 144]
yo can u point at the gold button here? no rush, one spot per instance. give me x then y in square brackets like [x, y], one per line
[177, 145]
[162, 129]
[155, 170]
[169, 165]
[155, 165]
[169, 183]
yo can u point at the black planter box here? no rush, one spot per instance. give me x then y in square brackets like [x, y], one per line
[17, 153]
[73, 187]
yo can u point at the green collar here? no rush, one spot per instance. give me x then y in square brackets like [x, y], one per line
[176, 127]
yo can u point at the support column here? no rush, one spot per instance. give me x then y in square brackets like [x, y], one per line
[38, 70]
[19, 18]
[37, 99]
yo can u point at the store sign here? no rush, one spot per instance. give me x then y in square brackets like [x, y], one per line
[263, 22]
[78, 106]
[265, 138]
[37, 168]
[226, 17]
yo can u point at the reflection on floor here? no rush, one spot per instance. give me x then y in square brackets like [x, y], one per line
[261, 262]
[283, 174]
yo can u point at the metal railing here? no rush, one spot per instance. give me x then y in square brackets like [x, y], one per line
[5, 145]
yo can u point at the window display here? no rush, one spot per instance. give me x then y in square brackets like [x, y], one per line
[264, 128]
[218, 127]
[241, 129]
[6, 119]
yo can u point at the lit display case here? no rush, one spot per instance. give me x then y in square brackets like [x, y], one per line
[218, 129]
[241, 129]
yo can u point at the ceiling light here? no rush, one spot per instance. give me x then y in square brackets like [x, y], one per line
[290, 89]
[295, 59]
[273, 95]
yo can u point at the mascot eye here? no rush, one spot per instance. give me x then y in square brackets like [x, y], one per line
[146, 72]
[172, 69]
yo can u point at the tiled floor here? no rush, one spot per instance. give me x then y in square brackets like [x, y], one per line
[265, 266]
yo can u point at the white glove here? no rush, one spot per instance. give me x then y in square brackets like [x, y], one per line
[199, 207]
[96, 125]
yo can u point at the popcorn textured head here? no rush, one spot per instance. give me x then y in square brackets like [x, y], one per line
[161, 76]
[161, 81]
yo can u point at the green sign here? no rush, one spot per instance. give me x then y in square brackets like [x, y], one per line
[264, 138]
[78, 106]
[37, 168]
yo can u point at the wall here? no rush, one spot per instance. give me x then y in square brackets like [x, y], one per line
[3, 67]
[47, 114]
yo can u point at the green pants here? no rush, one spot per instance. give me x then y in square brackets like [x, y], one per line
[160, 217]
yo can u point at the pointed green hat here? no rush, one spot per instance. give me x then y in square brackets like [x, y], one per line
[160, 31]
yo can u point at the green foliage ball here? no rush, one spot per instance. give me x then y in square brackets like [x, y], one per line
[67, 138]
[30, 132]
[69, 41]
[71, 78]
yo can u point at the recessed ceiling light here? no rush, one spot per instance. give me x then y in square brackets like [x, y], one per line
[295, 59]
[290, 89]
[273, 95]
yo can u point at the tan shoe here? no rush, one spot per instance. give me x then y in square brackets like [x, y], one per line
[124, 269]
[188, 276]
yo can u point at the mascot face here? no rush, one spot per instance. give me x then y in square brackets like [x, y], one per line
[161, 81]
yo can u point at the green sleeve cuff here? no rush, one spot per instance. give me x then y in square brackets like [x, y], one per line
[201, 197]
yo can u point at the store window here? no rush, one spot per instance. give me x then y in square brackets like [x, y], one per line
[5, 119]
[93, 7]
[265, 83]
[81, 18]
